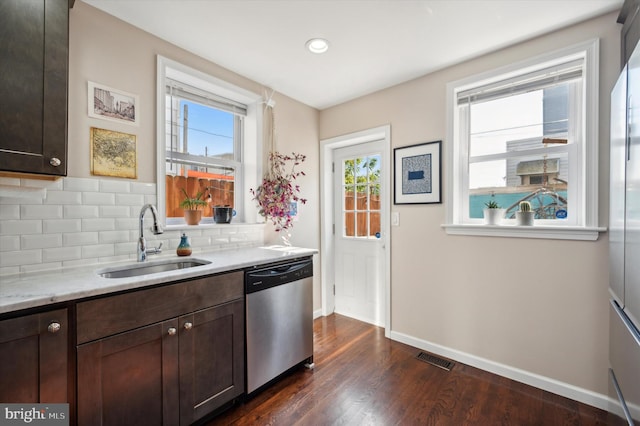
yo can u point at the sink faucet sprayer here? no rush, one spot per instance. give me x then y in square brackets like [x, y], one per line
[156, 229]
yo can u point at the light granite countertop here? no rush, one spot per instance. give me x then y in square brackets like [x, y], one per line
[23, 291]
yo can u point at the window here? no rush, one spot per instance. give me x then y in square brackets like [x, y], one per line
[361, 197]
[527, 132]
[207, 142]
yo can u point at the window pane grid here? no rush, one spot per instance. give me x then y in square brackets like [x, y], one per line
[361, 205]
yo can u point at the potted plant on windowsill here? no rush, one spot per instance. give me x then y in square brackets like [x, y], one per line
[192, 207]
[493, 213]
[525, 216]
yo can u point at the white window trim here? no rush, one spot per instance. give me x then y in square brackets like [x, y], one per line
[251, 149]
[589, 229]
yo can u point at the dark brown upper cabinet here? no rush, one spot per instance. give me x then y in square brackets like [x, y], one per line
[34, 47]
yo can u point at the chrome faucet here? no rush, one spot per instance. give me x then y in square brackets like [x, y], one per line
[156, 229]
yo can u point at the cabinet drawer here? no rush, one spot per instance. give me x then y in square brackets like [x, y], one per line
[114, 314]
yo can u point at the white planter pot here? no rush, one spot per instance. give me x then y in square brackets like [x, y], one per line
[493, 216]
[525, 218]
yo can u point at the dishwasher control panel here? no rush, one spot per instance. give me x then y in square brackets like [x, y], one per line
[262, 278]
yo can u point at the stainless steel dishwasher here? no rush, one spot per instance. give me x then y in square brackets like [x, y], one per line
[279, 320]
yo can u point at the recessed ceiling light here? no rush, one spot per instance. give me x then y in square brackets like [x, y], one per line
[317, 45]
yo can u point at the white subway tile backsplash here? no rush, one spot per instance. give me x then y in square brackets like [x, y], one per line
[63, 197]
[114, 211]
[106, 224]
[53, 185]
[143, 188]
[41, 212]
[114, 236]
[19, 227]
[128, 249]
[61, 225]
[80, 212]
[61, 254]
[29, 242]
[100, 250]
[114, 186]
[98, 198]
[40, 267]
[80, 239]
[9, 211]
[130, 200]
[9, 243]
[128, 223]
[87, 221]
[81, 184]
[22, 257]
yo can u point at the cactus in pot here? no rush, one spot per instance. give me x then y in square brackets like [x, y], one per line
[524, 215]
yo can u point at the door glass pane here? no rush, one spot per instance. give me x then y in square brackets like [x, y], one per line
[361, 206]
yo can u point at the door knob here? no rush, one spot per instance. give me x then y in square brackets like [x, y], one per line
[188, 326]
[172, 331]
[55, 162]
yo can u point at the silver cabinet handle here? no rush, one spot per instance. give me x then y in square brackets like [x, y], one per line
[54, 327]
[188, 326]
[55, 162]
[172, 331]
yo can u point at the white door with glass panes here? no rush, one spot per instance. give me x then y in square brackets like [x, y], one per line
[359, 240]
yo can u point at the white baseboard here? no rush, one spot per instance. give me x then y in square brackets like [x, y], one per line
[317, 313]
[551, 385]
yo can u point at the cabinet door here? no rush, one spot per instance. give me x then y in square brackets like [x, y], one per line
[34, 39]
[33, 358]
[211, 359]
[130, 378]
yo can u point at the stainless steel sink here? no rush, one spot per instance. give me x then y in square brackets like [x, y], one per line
[151, 268]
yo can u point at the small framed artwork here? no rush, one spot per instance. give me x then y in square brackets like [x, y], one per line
[113, 154]
[417, 174]
[111, 104]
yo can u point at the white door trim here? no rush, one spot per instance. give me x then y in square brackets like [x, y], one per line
[327, 212]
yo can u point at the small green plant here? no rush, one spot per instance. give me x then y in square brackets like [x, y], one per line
[492, 205]
[524, 206]
[192, 203]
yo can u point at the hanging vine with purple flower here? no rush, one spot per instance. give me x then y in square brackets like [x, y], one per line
[279, 189]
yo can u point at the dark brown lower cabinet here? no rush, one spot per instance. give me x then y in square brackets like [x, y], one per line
[169, 373]
[211, 359]
[33, 358]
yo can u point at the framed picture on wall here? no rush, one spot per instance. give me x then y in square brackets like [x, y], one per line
[417, 177]
[113, 154]
[111, 104]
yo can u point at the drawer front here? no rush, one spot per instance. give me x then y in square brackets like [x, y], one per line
[114, 314]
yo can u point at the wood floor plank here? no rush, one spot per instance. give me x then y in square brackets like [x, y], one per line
[363, 378]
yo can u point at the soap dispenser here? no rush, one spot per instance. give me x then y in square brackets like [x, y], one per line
[184, 248]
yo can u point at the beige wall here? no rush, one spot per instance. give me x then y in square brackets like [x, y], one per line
[111, 52]
[535, 305]
[502, 305]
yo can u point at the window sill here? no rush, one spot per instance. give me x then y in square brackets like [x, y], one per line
[183, 226]
[536, 231]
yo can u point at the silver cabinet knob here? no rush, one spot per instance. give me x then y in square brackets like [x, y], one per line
[188, 326]
[55, 162]
[172, 331]
[54, 327]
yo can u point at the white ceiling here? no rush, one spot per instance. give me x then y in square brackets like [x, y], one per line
[374, 44]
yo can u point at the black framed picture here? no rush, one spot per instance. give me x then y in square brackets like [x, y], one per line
[417, 177]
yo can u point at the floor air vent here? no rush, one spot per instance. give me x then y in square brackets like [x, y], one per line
[437, 361]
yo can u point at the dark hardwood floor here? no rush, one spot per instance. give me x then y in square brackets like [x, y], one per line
[362, 378]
